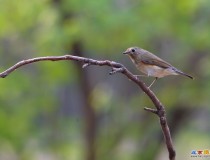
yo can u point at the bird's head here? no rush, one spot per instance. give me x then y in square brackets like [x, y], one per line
[132, 52]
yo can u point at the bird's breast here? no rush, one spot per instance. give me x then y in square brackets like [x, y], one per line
[154, 71]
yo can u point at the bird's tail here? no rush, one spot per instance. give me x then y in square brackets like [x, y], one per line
[183, 74]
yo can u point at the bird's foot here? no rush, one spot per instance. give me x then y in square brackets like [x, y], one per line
[152, 82]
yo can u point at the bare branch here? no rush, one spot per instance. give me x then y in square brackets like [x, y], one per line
[116, 67]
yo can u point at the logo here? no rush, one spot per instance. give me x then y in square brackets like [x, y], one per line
[200, 153]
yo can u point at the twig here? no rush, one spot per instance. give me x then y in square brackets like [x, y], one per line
[116, 67]
[85, 65]
[151, 110]
[115, 70]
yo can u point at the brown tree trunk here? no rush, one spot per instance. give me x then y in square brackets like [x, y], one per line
[89, 114]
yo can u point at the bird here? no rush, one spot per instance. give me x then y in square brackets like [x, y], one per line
[152, 65]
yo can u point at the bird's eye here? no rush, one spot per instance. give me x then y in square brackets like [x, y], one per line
[133, 50]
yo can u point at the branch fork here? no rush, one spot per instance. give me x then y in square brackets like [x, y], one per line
[116, 70]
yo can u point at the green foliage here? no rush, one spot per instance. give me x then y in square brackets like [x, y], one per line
[41, 111]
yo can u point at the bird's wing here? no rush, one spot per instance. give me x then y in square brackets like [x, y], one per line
[152, 59]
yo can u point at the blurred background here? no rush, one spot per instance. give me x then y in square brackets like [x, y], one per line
[59, 111]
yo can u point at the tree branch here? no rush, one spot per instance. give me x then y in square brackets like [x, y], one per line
[116, 67]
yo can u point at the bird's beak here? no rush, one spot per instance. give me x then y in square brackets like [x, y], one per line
[126, 52]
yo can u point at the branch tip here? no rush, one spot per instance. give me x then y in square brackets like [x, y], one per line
[85, 65]
[3, 75]
[155, 111]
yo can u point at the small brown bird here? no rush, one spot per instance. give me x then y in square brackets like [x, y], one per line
[151, 65]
